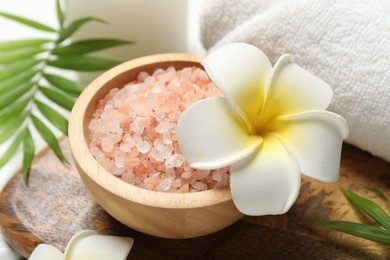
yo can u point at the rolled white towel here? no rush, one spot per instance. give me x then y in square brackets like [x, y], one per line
[346, 43]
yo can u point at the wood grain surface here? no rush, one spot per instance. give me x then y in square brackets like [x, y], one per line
[56, 205]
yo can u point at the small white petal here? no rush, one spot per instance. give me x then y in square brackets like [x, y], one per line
[240, 71]
[211, 134]
[293, 90]
[315, 138]
[46, 252]
[89, 244]
[267, 182]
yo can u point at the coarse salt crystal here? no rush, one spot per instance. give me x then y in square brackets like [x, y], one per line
[131, 162]
[142, 76]
[177, 183]
[176, 160]
[128, 177]
[154, 174]
[96, 152]
[217, 175]
[163, 126]
[126, 146]
[186, 175]
[143, 147]
[107, 146]
[133, 131]
[117, 171]
[120, 162]
[184, 188]
[166, 137]
[150, 183]
[201, 174]
[106, 163]
[170, 173]
[199, 186]
[165, 185]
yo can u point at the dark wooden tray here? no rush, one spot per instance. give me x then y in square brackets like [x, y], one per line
[56, 205]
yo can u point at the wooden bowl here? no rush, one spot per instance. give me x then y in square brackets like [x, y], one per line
[168, 215]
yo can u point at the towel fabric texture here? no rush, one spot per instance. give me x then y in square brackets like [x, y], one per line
[346, 43]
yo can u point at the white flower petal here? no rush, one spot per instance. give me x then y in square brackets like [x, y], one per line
[292, 90]
[89, 244]
[211, 134]
[266, 183]
[240, 71]
[315, 138]
[46, 252]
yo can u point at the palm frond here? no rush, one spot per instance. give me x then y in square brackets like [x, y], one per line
[380, 233]
[31, 94]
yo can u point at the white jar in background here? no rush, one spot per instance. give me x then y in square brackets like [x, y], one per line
[156, 26]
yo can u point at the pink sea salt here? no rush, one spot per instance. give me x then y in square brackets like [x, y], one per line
[133, 131]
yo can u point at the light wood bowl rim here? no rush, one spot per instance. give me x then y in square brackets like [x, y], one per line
[87, 163]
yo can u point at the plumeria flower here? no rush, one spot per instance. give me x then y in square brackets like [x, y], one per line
[87, 244]
[270, 126]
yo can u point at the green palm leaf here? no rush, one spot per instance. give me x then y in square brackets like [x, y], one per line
[49, 137]
[60, 14]
[87, 46]
[16, 44]
[83, 63]
[359, 230]
[74, 26]
[15, 68]
[24, 75]
[12, 84]
[55, 118]
[28, 154]
[373, 233]
[14, 109]
[12, 148]
[18, 54]
[368, 207]
[60, 98]
[28, 22]
[64, 84]
[379, 194]
[10, 127]
[10, 96]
